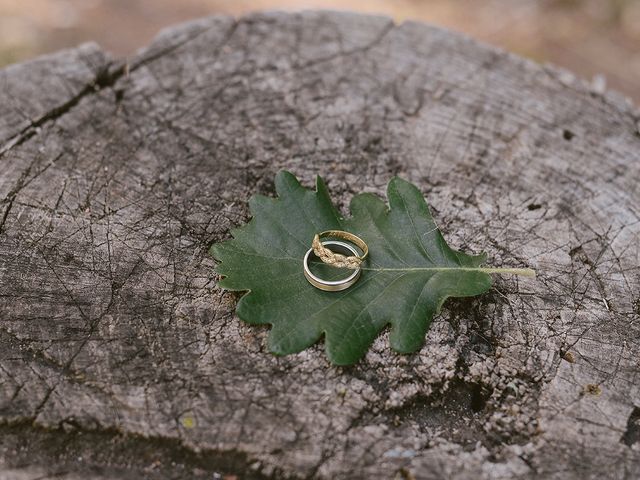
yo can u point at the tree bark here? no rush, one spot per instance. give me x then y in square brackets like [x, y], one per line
[119, 356]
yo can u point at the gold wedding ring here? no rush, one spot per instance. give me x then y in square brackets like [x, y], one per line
[331, 285]
[339, 260]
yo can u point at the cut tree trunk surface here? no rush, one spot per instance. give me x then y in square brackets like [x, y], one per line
[119, 356]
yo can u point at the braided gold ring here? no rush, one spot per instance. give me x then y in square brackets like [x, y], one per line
[336, 259]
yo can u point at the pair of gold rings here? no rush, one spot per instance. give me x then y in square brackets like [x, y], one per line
[341, 255]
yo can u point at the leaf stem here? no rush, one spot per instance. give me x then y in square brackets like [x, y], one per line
[524, 272]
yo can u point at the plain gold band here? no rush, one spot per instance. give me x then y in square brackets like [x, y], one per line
[350, 237]
[330, 285]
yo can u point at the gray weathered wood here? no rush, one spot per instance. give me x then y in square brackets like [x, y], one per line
[119, 357]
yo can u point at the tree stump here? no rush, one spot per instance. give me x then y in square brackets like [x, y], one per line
[119, 356]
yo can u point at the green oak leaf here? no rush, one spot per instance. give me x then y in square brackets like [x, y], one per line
[410, 271]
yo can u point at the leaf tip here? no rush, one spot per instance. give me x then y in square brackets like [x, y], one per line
[403, 194]
[216, 251]
[320, 180]
[397, 182]
[285, 181]
[321, 188]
